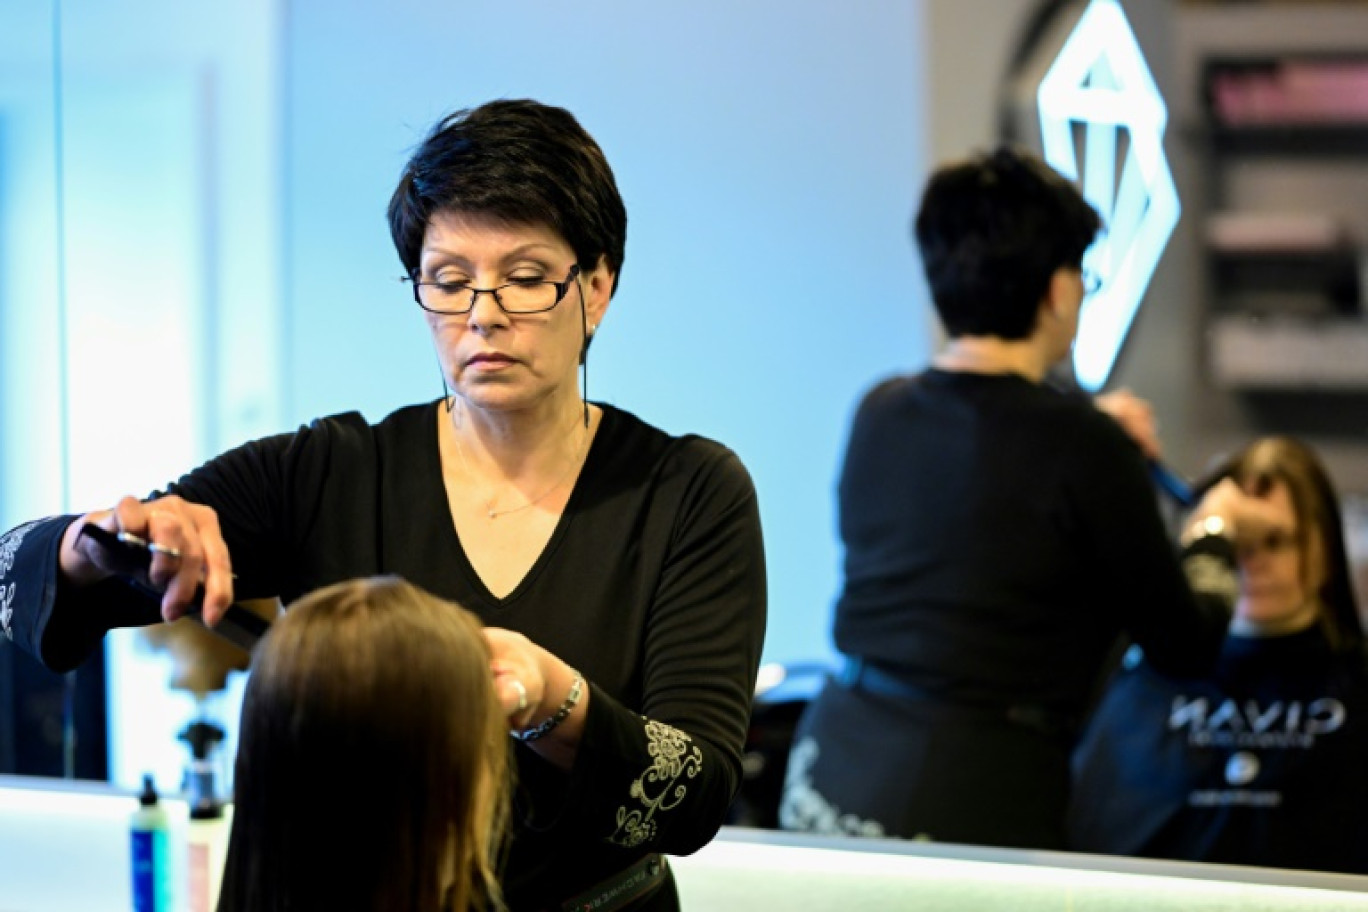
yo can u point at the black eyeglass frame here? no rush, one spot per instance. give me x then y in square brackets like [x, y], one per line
[562, 288]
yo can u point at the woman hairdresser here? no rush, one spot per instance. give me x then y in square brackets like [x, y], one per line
[620, 569]
[998, 534]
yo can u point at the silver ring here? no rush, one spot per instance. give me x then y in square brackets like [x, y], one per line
[163, 549]
[138, 541]
[522, 694]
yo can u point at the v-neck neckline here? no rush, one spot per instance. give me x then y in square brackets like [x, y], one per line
[563, 523]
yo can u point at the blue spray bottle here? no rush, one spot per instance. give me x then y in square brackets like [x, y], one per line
[149, 831]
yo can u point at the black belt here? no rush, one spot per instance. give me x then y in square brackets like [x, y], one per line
[857, 674]
[624, 887]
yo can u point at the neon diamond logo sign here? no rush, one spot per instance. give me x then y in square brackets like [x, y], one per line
[1100, 82]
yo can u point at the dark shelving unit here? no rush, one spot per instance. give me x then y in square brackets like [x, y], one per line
[1283, 319]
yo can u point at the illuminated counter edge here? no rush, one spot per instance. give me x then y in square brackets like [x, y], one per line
[46, 825]
[746, 868]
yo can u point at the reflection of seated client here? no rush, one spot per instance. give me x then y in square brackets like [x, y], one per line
[998, 535]
[1263, 761]
[371, 770]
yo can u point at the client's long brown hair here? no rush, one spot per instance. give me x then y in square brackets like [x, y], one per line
[372, 761]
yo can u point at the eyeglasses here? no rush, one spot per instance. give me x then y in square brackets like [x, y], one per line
[1092, 282]
[520, 296]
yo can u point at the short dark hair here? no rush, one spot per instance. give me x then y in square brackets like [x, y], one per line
[373, 765]
[1325, 559]
[992, 231]
[520, 162]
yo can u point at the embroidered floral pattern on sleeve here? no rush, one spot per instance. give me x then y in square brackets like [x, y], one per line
[659, 787]
[804, 808]
[9, 547]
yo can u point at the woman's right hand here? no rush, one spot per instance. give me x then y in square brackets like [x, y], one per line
[1242, 515]
[191, 552]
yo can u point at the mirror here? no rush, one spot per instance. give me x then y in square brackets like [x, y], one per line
[204, 186]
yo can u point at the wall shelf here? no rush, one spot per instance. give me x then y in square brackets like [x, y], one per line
[1332, 275]
[1287, 353]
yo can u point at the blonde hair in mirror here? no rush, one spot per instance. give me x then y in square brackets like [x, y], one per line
[373, 760]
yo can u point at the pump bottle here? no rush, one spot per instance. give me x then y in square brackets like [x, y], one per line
[149, 830]
[207, 831]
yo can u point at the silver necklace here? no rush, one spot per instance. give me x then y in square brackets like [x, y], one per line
[489, 506]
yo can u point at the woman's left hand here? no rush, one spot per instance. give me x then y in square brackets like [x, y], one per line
[1136, 418]
[532, 686]
[519, 682]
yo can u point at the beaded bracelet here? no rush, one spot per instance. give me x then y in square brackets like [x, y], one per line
[559, 716]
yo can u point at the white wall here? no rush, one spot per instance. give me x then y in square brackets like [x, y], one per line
[966, 56]
[770, 154]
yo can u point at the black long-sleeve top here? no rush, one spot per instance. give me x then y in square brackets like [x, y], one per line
[652, 585]
[999, 535]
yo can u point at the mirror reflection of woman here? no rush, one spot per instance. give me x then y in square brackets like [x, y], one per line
[999, 536]
[619, 569]
[1260, 762]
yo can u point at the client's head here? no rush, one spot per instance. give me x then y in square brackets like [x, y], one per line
[1298, 571]
[372, 759]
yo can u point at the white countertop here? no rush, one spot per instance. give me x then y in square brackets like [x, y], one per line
[64, 848]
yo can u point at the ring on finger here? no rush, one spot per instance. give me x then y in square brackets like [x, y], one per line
[522, 694]
[173, 553]
[138, 541]
[164, 549]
